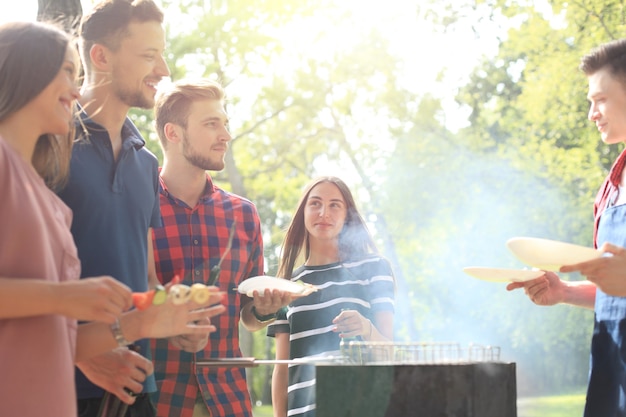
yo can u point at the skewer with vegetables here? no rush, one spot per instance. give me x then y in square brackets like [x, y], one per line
[176, 292]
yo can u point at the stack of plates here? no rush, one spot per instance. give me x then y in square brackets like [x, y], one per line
[541, 254]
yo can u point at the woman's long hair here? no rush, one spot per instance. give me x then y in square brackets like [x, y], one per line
[355, 240]
[31, 55]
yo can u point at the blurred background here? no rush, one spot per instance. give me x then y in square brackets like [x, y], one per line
[457, 124]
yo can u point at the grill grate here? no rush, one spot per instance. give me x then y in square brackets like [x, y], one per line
[410, 353]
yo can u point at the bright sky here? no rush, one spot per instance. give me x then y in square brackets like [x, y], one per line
[24, 11]
[425, 52]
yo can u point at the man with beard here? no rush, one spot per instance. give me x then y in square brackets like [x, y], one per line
[198, 220]
[113, 184]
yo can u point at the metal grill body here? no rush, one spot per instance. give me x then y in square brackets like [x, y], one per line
[416, 379]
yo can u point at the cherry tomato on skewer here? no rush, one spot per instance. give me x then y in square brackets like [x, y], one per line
[143, 300]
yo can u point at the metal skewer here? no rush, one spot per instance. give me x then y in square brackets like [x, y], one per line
[252, 362]
[215, 271]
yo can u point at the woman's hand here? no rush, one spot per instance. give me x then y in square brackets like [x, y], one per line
[170, 319]
[93, 299]
[270, 301]
[118, 371]
[350, 323]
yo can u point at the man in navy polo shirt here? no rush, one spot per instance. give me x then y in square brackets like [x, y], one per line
[113, 185]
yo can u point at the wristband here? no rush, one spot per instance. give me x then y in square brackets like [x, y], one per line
[262, 319]
[117, 334]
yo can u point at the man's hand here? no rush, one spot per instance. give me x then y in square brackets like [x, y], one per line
[607, 272]
[546, 290]
[191, 343]
[118, 370]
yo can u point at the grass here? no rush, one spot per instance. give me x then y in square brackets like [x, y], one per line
[263, 411]
[569, 405]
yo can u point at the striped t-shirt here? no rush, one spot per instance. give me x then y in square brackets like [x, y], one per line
[366, 285]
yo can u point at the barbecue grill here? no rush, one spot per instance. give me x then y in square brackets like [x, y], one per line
[386, 379]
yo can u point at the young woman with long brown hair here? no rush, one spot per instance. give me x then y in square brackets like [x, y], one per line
[354, 297]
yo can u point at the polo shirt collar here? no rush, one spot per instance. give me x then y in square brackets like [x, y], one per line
[131, 137]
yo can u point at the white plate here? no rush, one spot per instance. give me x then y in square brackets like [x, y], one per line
[263, 282]
[502, 274]
[550, 255]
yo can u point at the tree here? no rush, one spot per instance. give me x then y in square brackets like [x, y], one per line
[528, 119]
[437, 198]
[311, 110]
[65, 12]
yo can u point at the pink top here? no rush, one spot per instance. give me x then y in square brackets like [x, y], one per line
[36, 353]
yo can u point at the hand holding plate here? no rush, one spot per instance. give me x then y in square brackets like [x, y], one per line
[261, 283]
[607, 272]
[546, 290]
[268, 301]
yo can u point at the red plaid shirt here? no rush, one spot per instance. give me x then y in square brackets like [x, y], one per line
[189, 243]
[607, 192]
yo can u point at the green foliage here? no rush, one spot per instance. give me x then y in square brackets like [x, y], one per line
[144, 121]
[529, 164]
[293, 112]
[263, 411]
[438, 199]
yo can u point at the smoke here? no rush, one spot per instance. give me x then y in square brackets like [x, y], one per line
[458, 210]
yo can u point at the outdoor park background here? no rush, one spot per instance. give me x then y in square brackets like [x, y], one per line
[458, 125]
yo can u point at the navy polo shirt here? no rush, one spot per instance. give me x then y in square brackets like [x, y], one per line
[113, 203]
